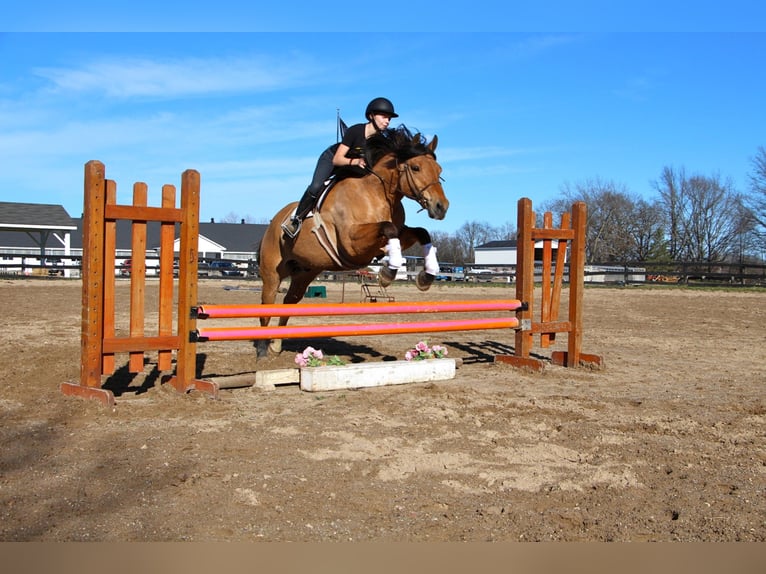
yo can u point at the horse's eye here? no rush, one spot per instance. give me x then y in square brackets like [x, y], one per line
[415, 168]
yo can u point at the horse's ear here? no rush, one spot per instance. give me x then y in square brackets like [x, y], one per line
[416, 138]
[434, 142]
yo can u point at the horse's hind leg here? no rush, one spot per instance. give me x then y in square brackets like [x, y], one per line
[271, 281]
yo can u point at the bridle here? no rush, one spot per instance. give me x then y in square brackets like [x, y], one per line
[419, 192]
[406, 169]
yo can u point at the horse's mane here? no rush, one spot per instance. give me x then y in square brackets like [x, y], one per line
[397, 141]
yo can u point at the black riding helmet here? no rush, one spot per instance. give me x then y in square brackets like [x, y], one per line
[380, 106]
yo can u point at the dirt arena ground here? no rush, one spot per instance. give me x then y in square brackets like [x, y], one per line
[667, 443]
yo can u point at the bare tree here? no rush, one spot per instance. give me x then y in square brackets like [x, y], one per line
[449, 248]
[756, 201]
[506, 232]
[647, 231]
[704, 215]
[611, 233]
[233, 217]
[673, 199]
[473, 233]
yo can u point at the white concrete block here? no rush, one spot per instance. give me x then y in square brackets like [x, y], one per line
[267, 380]
[376, 374]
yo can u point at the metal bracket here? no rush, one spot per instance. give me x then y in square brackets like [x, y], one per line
[195, 337]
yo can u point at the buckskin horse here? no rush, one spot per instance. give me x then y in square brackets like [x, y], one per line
[358, 220]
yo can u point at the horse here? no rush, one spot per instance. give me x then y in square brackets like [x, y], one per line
[358, 220]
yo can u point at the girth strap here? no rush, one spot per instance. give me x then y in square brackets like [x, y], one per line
[327, 243]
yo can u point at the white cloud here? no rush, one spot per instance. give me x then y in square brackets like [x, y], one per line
[136, 77]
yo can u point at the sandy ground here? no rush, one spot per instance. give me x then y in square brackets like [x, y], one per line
[667, 443]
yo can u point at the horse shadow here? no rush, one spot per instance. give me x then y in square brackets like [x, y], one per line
[478, 352]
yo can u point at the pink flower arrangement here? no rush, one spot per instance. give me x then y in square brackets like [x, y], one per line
[422, 351]
[311, 357]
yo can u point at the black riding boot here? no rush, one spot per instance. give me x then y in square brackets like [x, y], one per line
[304, 206]
[322, 171]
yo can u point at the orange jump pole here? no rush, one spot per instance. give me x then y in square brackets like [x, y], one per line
[310, 331]
[315, 310]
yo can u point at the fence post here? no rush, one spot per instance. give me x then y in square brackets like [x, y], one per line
[525, 276]
[92, 324]
[188, 267]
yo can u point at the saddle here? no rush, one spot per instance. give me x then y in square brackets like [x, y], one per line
[339, 174]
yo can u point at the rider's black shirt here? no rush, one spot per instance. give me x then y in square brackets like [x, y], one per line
[355, 140]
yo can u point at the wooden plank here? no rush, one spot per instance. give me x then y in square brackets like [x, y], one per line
[539, 233]
[186, 359]
[545, 286]
[108, 309]
[521, 362]
[140, 344]
[92, 325]
[264, 380]
[558, 278]
[576, 283]
[74, 390]
[144, 213]
[167, 237]
[551, 327]
[562, 358]
[138, 278]
[525, 274]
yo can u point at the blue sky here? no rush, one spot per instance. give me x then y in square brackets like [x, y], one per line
[522, 105]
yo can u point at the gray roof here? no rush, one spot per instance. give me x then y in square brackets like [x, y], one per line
[34, 217]
[497, 245]
[240, 237]
[235, 237]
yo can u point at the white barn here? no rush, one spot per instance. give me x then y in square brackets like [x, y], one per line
[501, 255]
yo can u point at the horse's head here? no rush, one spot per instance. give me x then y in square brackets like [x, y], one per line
[418, 173]
[420, 180]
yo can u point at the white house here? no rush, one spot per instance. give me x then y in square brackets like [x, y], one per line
[501, 255]
[31, 234]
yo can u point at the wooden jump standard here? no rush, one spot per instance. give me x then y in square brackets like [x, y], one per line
[99, 344]
[572, 232]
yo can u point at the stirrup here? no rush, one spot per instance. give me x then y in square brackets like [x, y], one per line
[291, 228]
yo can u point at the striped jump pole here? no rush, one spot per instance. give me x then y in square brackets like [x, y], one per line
[309, 310]
[309, 331]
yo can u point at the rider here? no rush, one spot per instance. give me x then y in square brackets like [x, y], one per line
[349, 152]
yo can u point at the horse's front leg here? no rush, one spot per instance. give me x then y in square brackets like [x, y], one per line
[383, 235]
[408, 237]
[299, 283]
[271, 280]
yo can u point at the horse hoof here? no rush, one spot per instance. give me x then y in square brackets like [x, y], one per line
[424, 280]
[262, 349]
[386, 276]
[275, 348]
